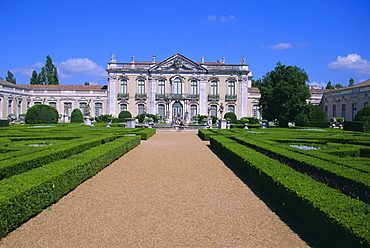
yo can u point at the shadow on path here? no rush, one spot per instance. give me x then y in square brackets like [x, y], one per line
[307, 235]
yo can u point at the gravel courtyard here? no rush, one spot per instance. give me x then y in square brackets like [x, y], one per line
[170, 191]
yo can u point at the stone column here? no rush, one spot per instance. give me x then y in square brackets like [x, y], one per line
[152, 93]
[243, 100]
[112, 94]
[203, 95]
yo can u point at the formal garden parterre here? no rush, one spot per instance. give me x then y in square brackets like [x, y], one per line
[41, 164]
[320, 175]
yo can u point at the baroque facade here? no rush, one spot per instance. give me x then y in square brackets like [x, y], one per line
[176, 87]
[179, 88]
[346, 102]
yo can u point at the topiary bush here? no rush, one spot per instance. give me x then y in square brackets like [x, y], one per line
[363, 114]
[41, 114]
[230, 115]
[76, 116]
[317, 114]
[124, 114]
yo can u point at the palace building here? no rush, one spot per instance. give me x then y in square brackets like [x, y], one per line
[176, 87]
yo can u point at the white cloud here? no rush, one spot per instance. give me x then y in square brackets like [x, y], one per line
[321, 85]
[352, 61]
[82, 66]
[227, 18]
[281, 46]
[27, 70]
[223, 18]
[212, 18]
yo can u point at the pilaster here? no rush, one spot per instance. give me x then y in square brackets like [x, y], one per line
[203, 95]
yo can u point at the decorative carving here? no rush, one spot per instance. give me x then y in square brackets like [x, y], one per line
[112, 58]
[214, 78]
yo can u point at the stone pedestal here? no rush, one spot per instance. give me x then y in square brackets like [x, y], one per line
[130, 122]
[87, 121]
[222, 124]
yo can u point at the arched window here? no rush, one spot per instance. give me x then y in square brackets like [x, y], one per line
[177, 86]
[343, 110]
[334, 110]
[213, 111]
[231, 88]
[123, 87]
[231, 108]
[123, 107]
[193, 111]
[194, 88]
[83, 107]
[141, 87]
[140, 109]
[161, 87]
[98, 109]
[214, 88]
[161, 111]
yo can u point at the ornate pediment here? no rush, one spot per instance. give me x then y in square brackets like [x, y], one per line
[177, 62]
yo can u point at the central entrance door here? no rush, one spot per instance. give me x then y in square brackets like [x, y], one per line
[177, 110]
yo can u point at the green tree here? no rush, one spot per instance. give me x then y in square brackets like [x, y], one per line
[256, 83]
[124, 114]
[231, 116]
[10, 78]
[51, 71]
[34, 79]
[41, 78]
[41, 114]
[87, 83]
[351, 82]
[338, 86]
[329, 86]
[76, 116]
[283, 94]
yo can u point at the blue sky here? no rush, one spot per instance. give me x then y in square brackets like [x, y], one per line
[329, 39]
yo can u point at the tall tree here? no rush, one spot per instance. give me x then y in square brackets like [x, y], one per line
[351, 82]
[34, 79]
[10, 78]
[329, 86]
[41, 78]
[51, 71]
[283, 94]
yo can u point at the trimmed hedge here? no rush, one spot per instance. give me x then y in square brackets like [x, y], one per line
[4, 123]
[343, 220]
[25, 195]
[26, 162]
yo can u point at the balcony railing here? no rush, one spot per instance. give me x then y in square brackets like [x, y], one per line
[213, 97]
[140, 96]
[176, 96]
[230, 97]
[120, 95]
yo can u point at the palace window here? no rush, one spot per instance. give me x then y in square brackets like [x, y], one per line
[141, 87]
[67, 108]
[123, 87]
[354, 110]
[140, 109]
[214, 88]
[334, 111]
[177, 86]
[53, 104]
[366, 104]
[98, 109]
[10, 107]
[343, 110]
[213, 110]
[83, 108]
[256, 111]
[193, 111]
[161, 111]
[193, 87]
[326, 110]
[231, 88]
[231, 108]
[123, 107]
[161, 87]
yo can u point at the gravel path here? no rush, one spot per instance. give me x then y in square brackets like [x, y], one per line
[170, 191]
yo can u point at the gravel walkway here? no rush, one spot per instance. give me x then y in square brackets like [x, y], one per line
[170, 191]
